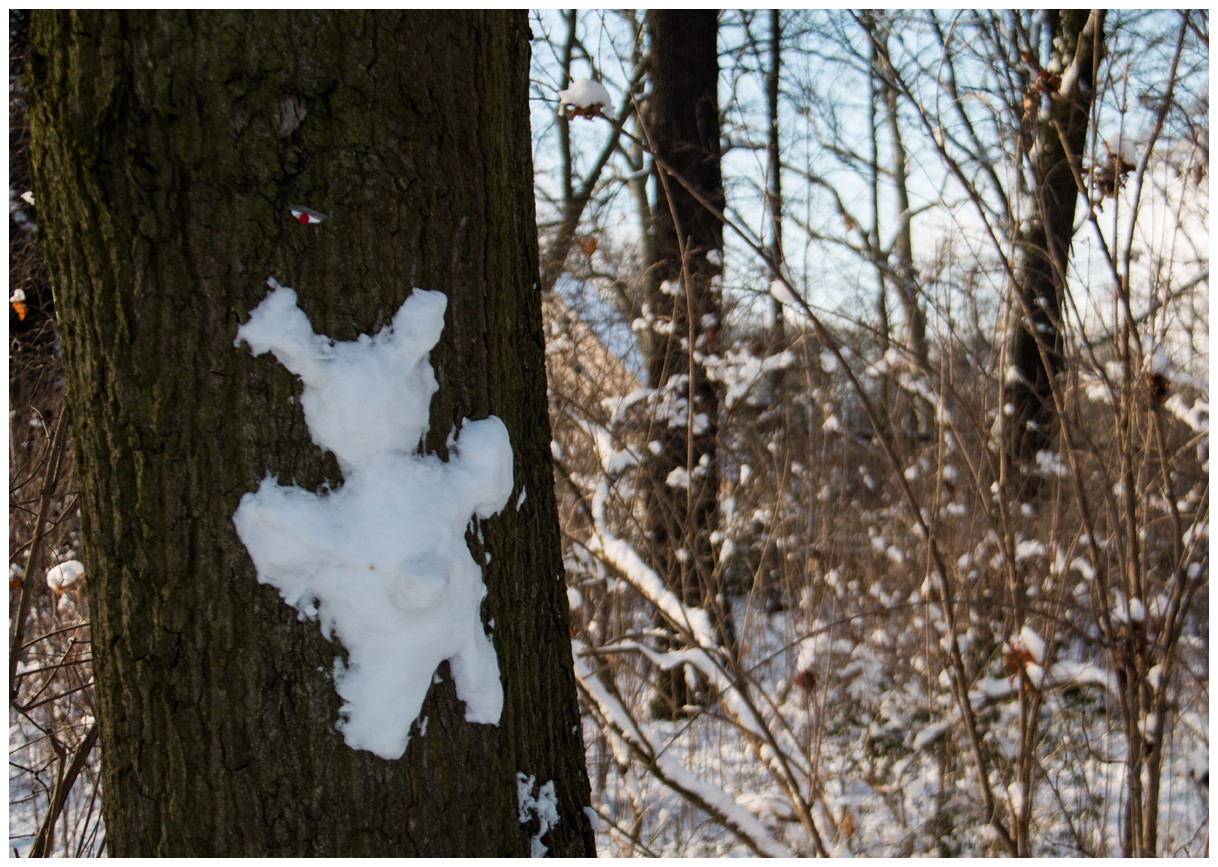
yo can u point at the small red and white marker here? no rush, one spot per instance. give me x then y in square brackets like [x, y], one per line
[305, 216]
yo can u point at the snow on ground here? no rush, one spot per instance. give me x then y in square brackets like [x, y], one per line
[878, 738]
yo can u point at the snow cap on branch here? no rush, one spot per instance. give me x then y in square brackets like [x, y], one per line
[783, 293]
[588, 98]
[65, 575]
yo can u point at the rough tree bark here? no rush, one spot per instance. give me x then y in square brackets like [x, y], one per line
[1060, 141]
[167, 149]
[683, 131]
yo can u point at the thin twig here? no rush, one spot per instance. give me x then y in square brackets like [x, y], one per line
[43, 842]
[31, 563]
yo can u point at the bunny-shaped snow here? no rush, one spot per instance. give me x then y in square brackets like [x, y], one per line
[382, 561]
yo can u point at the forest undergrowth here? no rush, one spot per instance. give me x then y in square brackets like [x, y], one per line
[831, 718]
[955, 600]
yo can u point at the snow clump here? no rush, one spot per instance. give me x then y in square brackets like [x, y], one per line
[382, 562]
[1030, 641]
[931, 734]
[780, 290]
[586, 94]
[65, 575]
[1123, 148]
[740, 371]
[544, 806]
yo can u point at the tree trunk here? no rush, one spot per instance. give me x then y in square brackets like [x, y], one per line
[879, 259]
[1061, 139]
[683, 130]
[918, 421]
[921, 416]
[167, 151]
[774, 170]
[640, 171]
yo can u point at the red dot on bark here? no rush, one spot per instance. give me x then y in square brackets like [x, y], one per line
[304, 219]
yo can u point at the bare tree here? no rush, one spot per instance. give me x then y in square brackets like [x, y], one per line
[682, 293]
[1056, 142]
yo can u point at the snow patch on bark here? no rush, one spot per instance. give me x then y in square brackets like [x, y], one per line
[382, 562]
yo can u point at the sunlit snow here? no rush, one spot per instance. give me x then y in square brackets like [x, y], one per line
[381, 561]
[63, 576]
[585, 94]
[780, 290]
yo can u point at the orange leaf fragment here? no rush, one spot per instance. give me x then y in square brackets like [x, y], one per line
[806, 679]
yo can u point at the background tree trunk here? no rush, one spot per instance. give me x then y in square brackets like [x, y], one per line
[774, 171]
[1045, 243]
[921, 414]
[683, 129]
[879, 259]
[167, 150]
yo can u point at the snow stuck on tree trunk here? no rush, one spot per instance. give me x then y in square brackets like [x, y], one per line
[544, 807]
[381, 561]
